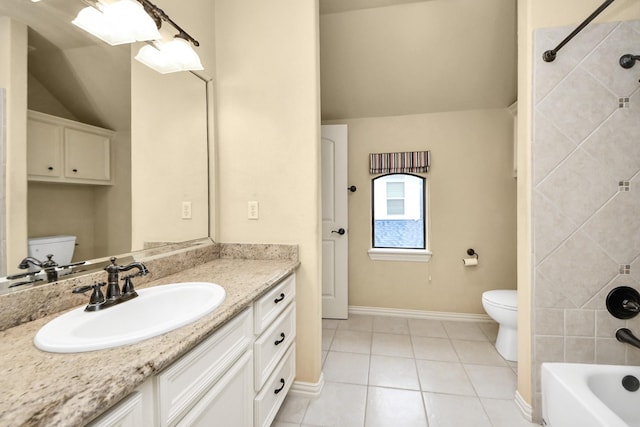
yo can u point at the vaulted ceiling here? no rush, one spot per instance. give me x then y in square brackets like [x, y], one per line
[382, 57]
[399, 57]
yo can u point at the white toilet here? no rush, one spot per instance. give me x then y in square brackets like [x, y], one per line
[502, 306]
[61, 247]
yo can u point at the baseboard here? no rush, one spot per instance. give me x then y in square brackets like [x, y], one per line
[305, 389]
[420, 314]
[525, 409]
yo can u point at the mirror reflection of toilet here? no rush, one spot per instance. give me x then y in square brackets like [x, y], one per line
[502, 306]
[61, 247]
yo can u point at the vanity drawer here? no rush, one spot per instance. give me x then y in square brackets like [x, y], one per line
[268, 401]
[182, 384]
[272, 344]
[271, 304]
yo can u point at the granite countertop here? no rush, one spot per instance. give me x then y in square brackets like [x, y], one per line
[40, 388]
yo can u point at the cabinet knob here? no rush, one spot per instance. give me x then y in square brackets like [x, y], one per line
[50, 168]
[74, 170]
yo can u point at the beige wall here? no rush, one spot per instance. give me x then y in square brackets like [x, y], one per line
[13, 77]
[534, 15]
[268, 134]
[471, 205]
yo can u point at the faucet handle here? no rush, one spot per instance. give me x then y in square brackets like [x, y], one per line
[97, 296]
[623, 302]
[49, 263]
[127, 287]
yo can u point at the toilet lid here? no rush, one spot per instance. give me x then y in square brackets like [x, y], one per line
[502, 297]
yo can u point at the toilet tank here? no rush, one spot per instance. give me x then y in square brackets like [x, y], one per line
[61, 247]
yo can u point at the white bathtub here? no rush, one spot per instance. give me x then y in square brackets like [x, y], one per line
[582, 395]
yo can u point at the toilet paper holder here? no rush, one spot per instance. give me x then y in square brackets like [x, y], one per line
[470, 262]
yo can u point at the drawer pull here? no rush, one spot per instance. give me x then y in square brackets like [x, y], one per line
[278, 390]
[280, 340]
[280, 298]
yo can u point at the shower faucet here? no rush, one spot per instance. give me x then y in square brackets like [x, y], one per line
[623, 302]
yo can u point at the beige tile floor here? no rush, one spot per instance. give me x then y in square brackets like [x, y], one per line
[394, 371]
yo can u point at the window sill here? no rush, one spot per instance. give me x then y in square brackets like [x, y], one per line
[412, 255]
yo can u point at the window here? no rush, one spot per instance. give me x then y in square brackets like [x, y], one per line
[399, 213]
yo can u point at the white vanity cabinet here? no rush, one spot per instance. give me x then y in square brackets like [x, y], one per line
[211, 383]
[274, 349]
[238, 377]
[65, 151]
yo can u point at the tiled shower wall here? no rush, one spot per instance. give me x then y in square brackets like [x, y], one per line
[586, 194]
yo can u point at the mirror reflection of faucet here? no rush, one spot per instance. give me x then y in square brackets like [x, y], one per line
[49, 266]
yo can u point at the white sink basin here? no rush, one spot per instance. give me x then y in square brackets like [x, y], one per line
[155, 311]
[575, 394]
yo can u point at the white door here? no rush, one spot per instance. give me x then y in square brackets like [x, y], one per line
[334, 222]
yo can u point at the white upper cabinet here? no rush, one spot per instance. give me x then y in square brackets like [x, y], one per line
[64, 151]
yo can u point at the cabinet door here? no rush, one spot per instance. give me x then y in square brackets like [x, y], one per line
[229, 402]
[86, 155]
[127, 413]
[44, 149]
[183, 384]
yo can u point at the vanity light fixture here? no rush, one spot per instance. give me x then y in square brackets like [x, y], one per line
[128, 21]
[119, 22]
[170, 57]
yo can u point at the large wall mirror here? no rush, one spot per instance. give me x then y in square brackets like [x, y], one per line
[159, 150]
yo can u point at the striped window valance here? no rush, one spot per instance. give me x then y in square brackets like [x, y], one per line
[407, 162]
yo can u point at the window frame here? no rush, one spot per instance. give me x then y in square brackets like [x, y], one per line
[401, 254]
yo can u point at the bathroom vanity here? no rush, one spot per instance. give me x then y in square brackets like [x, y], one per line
[234, 365]
[244, 368]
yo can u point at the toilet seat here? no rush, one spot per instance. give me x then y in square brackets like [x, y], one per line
[506, 299]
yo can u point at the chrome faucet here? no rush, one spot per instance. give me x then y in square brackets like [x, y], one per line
[49, 266]
[114, 294]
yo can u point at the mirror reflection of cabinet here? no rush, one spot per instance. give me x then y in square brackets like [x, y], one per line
[64, 151]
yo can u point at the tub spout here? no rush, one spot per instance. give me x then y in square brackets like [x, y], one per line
[626, 336]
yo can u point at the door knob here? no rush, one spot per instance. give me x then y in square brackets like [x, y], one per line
[339, 231]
